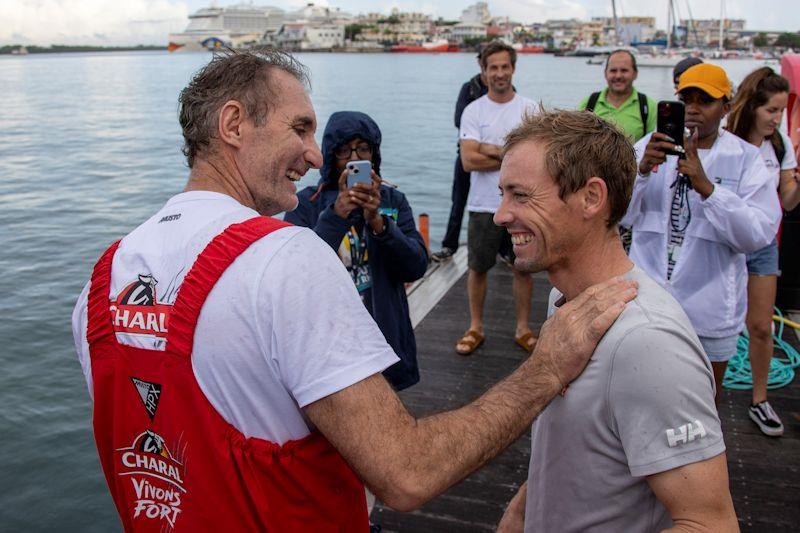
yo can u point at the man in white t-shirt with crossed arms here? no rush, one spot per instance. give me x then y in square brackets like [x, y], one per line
[484, 125]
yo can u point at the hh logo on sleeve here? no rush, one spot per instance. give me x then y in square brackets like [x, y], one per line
[685, 433]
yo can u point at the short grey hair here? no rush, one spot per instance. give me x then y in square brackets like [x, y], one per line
[244, 76]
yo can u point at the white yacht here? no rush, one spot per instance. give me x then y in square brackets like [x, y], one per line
[236, 25]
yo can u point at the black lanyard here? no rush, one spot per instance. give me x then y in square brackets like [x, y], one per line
[682, 186]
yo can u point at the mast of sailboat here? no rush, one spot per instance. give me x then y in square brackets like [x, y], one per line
[669, 24]
[616, 22]
[721, 23]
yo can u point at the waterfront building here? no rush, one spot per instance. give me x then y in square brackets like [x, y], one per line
[311, 28]
[304, 36]
[477, 13]
[397, 27]
[473, 24]
[632, 30]
[501, 28]
[704, 33]
[465, 31]
[315, 14]
[564, 33]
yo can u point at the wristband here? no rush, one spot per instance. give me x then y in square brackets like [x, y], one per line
[385, 227]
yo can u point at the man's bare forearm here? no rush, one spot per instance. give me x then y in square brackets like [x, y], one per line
[491, 150]
[722, 525]
[477, 162]
[422, 458]
[468, 437]
[513, 520]
[406, 461]
[474, 161]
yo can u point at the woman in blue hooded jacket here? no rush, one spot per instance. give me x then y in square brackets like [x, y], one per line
[372, 230]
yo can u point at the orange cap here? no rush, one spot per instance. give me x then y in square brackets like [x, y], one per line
[709, 78]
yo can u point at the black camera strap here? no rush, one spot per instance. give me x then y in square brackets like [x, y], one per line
[680, 210]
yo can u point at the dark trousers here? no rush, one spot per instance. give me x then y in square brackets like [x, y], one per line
[459, 199]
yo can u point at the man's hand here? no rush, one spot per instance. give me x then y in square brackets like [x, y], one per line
[569, 337]
[692, 168]
[655, 153]
[513, 520]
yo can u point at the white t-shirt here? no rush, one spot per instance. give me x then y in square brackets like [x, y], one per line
[487, 121]
[770, 158]
[282, 328]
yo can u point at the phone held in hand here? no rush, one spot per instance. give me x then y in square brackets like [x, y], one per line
[671, 122]
[359, 172]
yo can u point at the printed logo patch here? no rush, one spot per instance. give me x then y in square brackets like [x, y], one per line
[149, 393]
[157, 478]
[685, 433]
[137, 309]
[170, 218]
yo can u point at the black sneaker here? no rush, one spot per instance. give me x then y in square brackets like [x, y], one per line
[442, 255]
[766, 419]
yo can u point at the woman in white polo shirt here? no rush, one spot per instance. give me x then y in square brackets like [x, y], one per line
[695, 218]
[756, 116]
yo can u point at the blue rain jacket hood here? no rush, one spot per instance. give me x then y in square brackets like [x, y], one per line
[343, 127]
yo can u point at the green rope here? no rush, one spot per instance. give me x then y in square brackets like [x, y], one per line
[781, 369]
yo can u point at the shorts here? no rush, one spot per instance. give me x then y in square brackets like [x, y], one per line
[719, 350]
[484, 239]
[764, 262]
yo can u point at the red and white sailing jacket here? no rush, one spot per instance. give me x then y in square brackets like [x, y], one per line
[177, 464]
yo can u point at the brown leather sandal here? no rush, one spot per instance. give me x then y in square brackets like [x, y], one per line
[527, 342]
[471, 339]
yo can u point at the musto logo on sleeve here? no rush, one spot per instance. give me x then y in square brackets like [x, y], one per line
[157, 478]
[137, 310]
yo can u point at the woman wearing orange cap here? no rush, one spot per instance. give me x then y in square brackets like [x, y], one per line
[756, 117]
[695, 217]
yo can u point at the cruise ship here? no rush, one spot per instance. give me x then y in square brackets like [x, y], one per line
[235, 26]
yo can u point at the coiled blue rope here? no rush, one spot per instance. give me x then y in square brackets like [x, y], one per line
[781, 369]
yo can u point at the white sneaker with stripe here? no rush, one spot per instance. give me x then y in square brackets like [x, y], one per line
[766, 419]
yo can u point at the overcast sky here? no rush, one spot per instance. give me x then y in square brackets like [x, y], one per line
[127, 22]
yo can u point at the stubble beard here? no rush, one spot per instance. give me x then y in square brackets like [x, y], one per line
[501, 91]
[530, 266]
[269, 200]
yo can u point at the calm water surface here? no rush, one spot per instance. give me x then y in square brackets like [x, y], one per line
[90, 147]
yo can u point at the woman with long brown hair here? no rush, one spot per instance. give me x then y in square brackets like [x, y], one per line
[755, 116]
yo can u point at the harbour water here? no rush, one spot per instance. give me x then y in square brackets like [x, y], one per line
[90, 147]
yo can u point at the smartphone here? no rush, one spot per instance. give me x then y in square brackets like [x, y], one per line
[670, 122]
[359, 172]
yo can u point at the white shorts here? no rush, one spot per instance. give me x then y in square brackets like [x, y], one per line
[719, 350]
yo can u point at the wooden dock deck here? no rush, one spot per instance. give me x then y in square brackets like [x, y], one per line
[764, 472]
